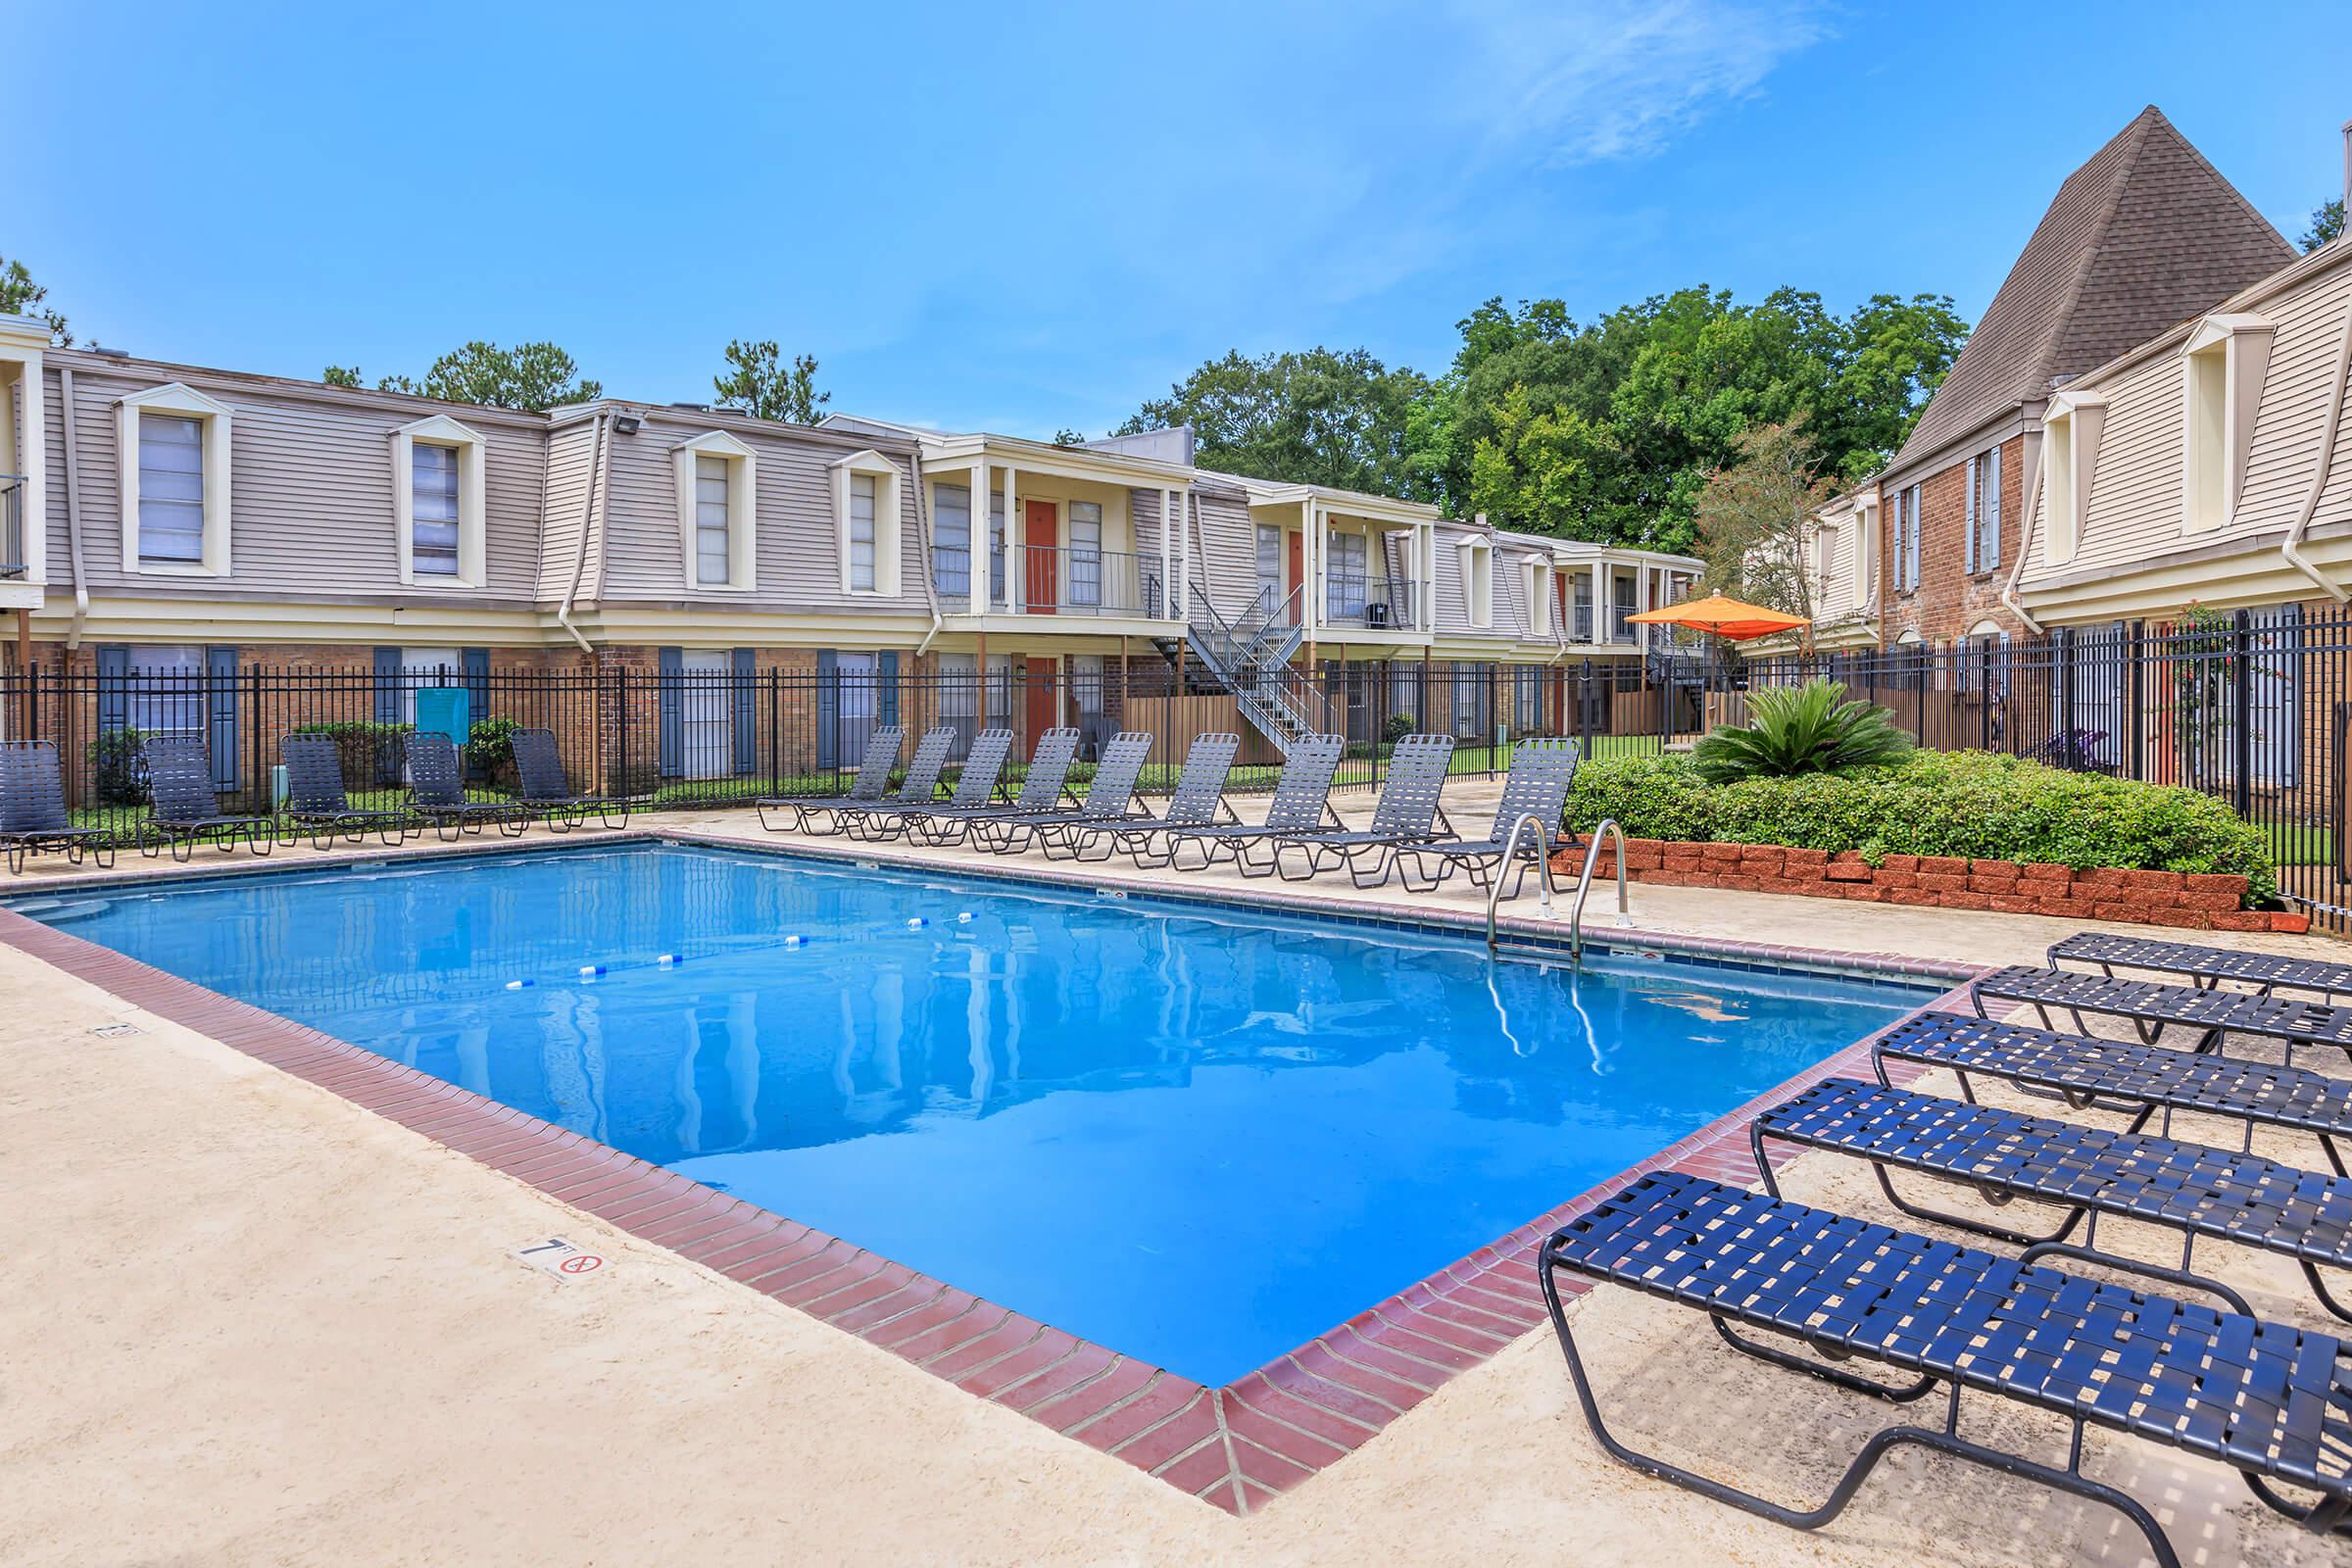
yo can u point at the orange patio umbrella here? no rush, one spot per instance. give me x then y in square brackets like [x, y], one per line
[1725, 617]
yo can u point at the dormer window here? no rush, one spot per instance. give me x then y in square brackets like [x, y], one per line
[1477, 582]
[865, 511]
[717, 480]
[438, 489]
[175, 446]
[2070, 455]
[2227, 358]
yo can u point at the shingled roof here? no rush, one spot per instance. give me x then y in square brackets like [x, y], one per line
[2141, 238]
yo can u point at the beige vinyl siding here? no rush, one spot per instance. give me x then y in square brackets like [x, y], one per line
[1453, 597]
[1229, 538]
[570, 455]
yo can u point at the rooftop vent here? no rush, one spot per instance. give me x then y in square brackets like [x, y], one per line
[112, 353]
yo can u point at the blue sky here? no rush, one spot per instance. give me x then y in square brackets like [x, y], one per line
[1018, 218]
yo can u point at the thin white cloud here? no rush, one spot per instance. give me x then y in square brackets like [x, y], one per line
[1587, 83]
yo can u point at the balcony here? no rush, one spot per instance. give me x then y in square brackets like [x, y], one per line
[1621, 627]
[1378, 604]
[1069, 580]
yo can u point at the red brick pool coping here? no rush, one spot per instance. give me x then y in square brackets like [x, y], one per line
[1235, 1448]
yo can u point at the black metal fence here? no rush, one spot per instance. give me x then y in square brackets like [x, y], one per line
[2252, 707]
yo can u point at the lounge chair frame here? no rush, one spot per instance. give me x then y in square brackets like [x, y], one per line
[2150, 1006]
[183, 811]
[821, 815]
[1198, 800]
[1538, 784]
[979, 783]
[2206, 968]
[539, 777]
[919, 787]
[1045, 787]
[317, 804]
[1301, 804]
[1112, 795]
[2264, 1397]
[1407, 813]
[33, 819]
[437, 792]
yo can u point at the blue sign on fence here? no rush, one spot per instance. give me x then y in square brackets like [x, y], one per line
[442, 711]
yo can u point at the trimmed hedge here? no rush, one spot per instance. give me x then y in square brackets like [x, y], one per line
[1973, 803]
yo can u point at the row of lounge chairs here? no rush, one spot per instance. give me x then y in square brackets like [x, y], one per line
[1300, 836]
[2270, 1398]
[184, 807]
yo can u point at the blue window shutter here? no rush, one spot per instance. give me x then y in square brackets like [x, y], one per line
[478, 683]
[387, 685]
[113, 689]
[220, 673]
[672, 672]
[1975, 526]
[828, 707]
[1992, 512]
[886, 668]
[747, 683]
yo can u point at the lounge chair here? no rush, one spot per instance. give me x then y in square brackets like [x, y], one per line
[184, 812]
[822, 815]
[1198, 801]
[2135, 1081]
[317, 804]
[1541, 772]
[2150, 1006]
[1110, 797]
[1407, 813]
[2087, 1173]
[1043, 789]
[33, 819]
[2266, 972]
[437, 792]
[539, 775]
[975, 788]
[2270, 1401]
[920, 787]
[1301, 804]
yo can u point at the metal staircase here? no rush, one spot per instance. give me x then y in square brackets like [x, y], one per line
[1250, 657]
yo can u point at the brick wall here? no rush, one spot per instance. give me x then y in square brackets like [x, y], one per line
[1949, 600]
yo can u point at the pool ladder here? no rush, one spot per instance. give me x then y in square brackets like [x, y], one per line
[1583, 882]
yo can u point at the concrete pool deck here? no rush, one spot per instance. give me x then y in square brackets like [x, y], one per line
[248, 1321]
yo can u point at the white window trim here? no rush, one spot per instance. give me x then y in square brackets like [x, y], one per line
[1866, 550]
[888, 579]
[743, 519]
[440, 430]
[2069, 457]
[2243, 345]
[180, 397]
[1470, 555]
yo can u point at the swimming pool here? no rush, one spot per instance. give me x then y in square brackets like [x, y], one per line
[1198, 1135]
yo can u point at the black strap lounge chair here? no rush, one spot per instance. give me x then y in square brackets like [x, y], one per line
[2273, 1401]
[975, 787]
[1110, 796]
[919, 788]
[823, 815]
[316, 802]
[2139, 1082]
[2264, 973]
[33, 819]
[1541, 772]
[184, 809]
[2087, 1173]
[1301, 804]
[1198, 801]
[1407, 813]
[1044, 788]
[539, 774]
[437, 791]
[2150, 1006]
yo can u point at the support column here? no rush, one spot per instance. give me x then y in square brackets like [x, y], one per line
[1310, 586]
[1016, 543]
[980, 674]
[978, 541]
[1184, 561]
[1167, 589]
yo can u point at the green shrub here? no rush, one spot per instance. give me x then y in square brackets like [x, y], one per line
[490, 750]
[1970, 804]
[1811, 728]
[367, 751]
[1399, 726]
[118, 777]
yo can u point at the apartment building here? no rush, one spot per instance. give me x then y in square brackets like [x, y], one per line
[162, 518]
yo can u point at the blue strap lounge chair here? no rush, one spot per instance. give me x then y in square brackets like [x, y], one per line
[33, 819]
[2265, 973]
[1407, 813]
[976, 785]
[2209, 1015]
[437, 792]
[317, 804]
[1110, 797]
[1541, 774]
[1301, 804]
[539, 774]
[1044, 788]
[821, 815]
[919, 787]
[184, 812]
[1198, 801]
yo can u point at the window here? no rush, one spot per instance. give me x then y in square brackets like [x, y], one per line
[174, 447]
[1824, 558]
[866, 521]
[1347, 576]
[1404, 693]
[1471, 692]
[1086, 696]
[861, 533]
[712, 552]
[438, 488]
[952, 541]
[434, 511]
[717, 478]
[1906, 539]
[1621, 607]
[2069, 457]
[1527, 698]
[1478, 581]
[1085, 556]
[1269, 562]
[1583, 630]
[706, 702]
[1983, 543]
[165, 699]
[2227, 358]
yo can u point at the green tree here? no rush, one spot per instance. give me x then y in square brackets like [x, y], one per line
[2326, 222]
[1068, 438]
[759, 383]
[341, 375]
[20, 295]
[1752, 520]
[1321, 417]
[529, 375]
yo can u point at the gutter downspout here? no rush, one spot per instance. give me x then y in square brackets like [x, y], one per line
[580, 562]
[81, 585]
[922, 542]
[2031, 490]
[2289, 548]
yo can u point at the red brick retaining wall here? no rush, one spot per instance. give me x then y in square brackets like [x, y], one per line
[2200, 902]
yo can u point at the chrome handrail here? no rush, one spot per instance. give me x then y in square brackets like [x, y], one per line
[1510, 846]
[1584, 885]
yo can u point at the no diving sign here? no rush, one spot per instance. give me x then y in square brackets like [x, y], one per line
[560, 1257]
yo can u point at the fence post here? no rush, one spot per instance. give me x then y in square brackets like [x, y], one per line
[1984, 696]
[2136, 725]
[2241, 712]
[1584, 709]
[2065, 699]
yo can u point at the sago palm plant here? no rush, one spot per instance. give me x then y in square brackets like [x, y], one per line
[1800, 729]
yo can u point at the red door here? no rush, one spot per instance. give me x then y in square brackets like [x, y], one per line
[1297, 575]
[1041, 530]
[1045, 699]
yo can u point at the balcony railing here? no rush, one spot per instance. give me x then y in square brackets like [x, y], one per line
[12, 526]
[1621, 627]
[1376, 603]
[1063, 580]
[1582, 624]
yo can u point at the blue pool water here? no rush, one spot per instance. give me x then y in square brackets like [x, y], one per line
[1198, 1136]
